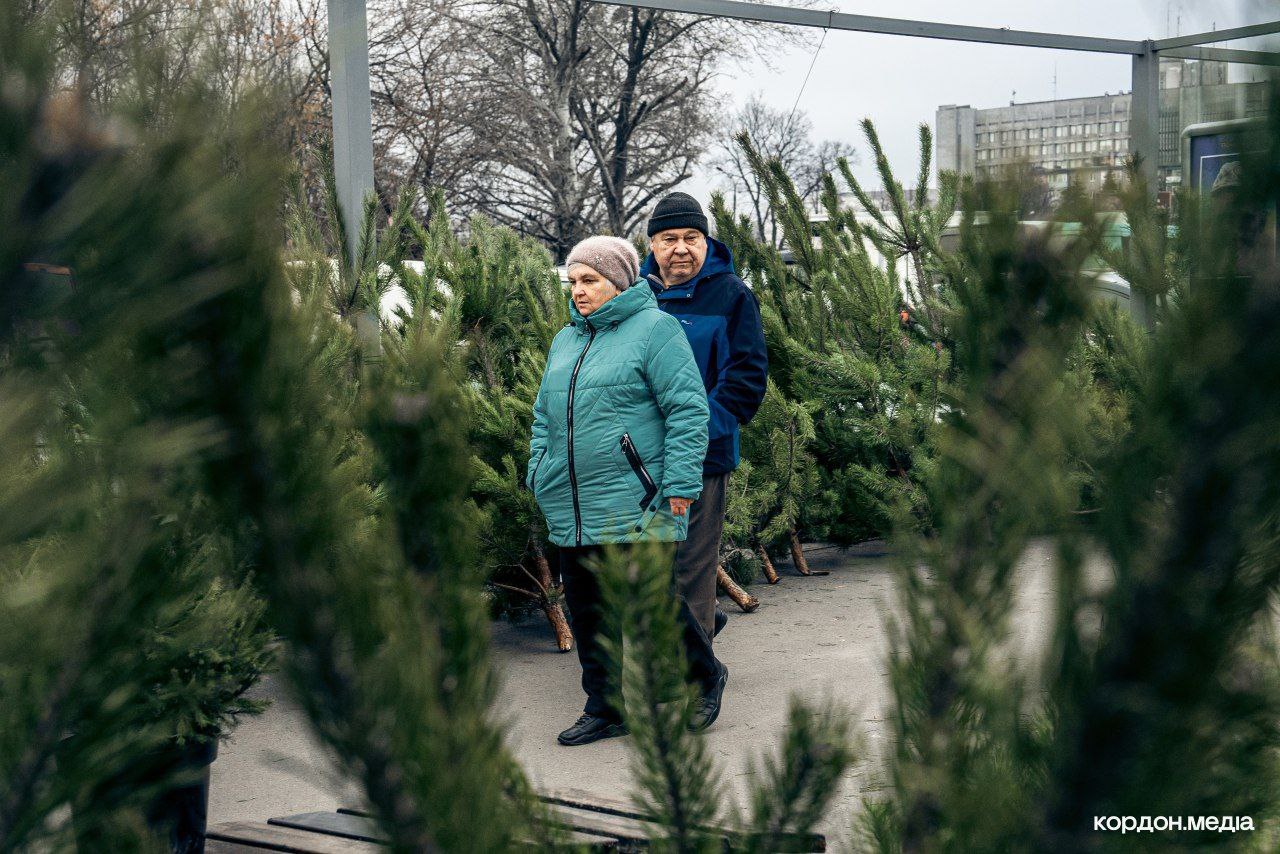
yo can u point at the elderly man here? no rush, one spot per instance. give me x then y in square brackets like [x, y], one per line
[693, 278]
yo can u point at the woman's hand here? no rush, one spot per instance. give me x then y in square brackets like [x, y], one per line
[680, 506]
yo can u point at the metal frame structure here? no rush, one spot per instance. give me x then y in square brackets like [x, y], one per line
[353, 121]
[352, 113]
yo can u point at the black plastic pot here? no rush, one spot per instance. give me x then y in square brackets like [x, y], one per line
[178, 813]
[181, 813]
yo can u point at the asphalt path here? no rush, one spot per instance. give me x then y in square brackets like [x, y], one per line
[816, 638]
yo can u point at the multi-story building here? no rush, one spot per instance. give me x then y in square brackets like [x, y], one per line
[1086, 139]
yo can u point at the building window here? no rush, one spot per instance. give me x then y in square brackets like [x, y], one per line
[1090, 146]
[1104, 145]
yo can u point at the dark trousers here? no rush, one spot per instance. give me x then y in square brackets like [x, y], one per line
[582, 594]
[698, 557]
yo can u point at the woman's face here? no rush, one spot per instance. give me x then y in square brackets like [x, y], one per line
[588, 289]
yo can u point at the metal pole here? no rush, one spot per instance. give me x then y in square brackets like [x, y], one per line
[1219, 54]
[1264, 29]
[352, 113]
[890, 26]
[1144, 143]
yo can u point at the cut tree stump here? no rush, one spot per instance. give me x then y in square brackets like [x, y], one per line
[742, 598]
[797, 556]
[770, 573]
[551, 603]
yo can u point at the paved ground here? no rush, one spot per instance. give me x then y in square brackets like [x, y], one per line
[811, 637]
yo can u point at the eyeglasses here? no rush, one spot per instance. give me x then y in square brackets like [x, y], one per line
[672, 239]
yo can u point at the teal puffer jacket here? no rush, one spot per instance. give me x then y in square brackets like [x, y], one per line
[620, 425]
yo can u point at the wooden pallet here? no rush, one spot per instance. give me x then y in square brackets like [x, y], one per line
[583, 821]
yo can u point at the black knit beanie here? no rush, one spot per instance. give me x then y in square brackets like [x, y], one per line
[677, 210]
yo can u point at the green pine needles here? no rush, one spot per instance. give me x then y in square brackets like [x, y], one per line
[677, 783]
[223, 461]
[857, 326]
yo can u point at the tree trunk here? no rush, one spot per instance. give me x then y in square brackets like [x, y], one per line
[550, 600]
[742, 598]
[770, 574]
[797, 556]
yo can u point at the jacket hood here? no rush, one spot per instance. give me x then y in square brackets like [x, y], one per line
[616, 310]
[719, 260]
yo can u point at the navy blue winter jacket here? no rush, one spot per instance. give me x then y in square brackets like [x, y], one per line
[721, 318]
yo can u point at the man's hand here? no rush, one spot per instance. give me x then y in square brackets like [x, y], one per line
[680, 506]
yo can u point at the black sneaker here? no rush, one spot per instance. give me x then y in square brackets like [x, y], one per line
[721, 619]
[707, 707]
[589, 728]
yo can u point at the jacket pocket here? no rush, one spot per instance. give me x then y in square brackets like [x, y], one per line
[637, 468]
[533, 472]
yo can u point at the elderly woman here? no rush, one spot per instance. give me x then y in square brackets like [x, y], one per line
[619, 433]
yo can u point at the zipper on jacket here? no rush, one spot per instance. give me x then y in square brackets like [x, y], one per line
[573, 476]
[637, 466]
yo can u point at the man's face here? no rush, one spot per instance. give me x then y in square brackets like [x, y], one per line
[679, 253]
[588, 289]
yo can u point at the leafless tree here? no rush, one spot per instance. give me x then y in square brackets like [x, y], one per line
[786, 136]
[148, 50]
[646, 110]
[605, 109]
[431, 106]
[558, 117]
[536, 51]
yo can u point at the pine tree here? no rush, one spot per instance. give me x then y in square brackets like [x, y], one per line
[960, 768]
[1167, 711]
[1154, 702]
[779, 440]
[125, 623]
[677, 782]
[914, 230]
[865, 350]
[347, 478]
[505, 301]
[494, 293]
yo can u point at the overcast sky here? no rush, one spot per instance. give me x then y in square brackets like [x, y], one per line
[899, 81]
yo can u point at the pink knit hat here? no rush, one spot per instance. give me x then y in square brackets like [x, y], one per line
[611, 257]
